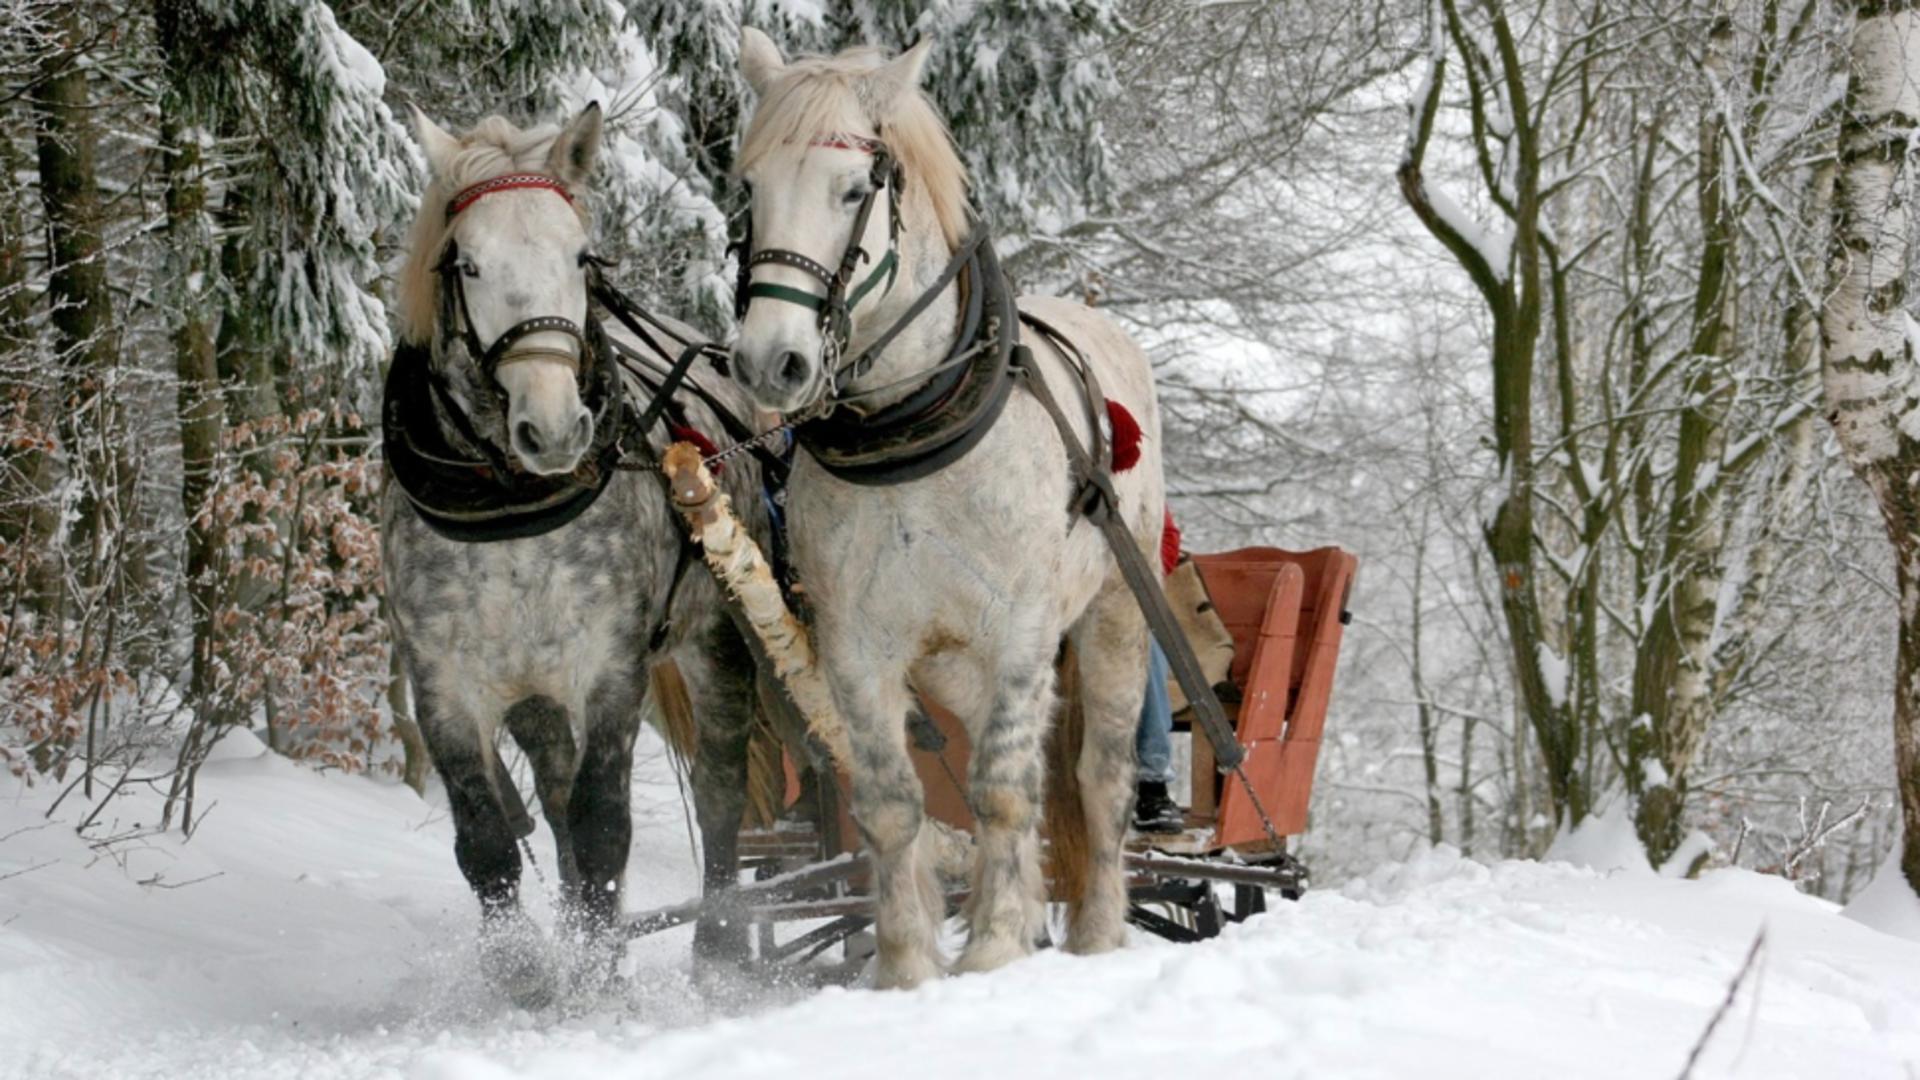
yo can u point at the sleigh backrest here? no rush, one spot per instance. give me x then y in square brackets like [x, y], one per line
[1287, 611]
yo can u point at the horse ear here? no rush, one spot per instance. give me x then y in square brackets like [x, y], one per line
[760, 59]
[892, 81]
[577, 147]
[434, 141]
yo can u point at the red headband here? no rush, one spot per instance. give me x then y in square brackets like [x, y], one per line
[468, 196]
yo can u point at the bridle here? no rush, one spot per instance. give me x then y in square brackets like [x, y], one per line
[835, 307]
[591, 364]
[454, 294]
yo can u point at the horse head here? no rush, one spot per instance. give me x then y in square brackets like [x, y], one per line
[846, 163]
[498, 283]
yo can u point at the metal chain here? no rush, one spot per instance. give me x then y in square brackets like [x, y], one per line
[721, 455]
[1266, 823]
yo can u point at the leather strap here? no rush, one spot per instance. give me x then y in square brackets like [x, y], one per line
[957, 403]
[1210, 718]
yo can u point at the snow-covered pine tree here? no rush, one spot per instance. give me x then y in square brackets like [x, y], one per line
[328, 169]
[690, 128]
[461, 60]
[1021, 86]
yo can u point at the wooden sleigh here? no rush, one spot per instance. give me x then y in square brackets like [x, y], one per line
[1286, 612]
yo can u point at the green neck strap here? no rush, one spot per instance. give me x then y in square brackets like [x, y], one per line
[888, 267]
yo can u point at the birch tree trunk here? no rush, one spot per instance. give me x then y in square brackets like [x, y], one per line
[1871, 373]
[1673, 703]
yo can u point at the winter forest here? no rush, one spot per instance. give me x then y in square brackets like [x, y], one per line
[1584, 326]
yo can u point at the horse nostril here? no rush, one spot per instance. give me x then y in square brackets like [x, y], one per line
[526, 437]
[582, 432]
[793, 368]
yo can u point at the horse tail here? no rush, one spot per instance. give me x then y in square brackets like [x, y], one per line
[766, 766]
[766, 777]
[674, 707]
[1068, 848]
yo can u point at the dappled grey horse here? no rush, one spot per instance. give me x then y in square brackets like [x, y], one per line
[531, 582]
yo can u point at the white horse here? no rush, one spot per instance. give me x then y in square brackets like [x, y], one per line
[961, 584]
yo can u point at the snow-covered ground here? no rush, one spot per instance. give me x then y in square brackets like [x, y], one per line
[316, 927]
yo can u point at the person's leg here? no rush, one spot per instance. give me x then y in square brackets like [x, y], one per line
[1154, 810]
[1154, 740]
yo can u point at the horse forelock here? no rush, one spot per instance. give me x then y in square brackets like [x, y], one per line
[815, 96]
[495, 147]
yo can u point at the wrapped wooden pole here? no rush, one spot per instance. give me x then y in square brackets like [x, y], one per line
[742, 570]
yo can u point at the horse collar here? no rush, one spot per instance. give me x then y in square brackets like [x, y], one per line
[480, 499]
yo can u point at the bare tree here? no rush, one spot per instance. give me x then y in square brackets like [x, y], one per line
[1872, 376]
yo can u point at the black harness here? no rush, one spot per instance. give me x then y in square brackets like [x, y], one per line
[466, 487]
[947, 415]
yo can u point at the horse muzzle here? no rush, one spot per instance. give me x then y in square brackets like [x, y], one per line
[548, 426]
[781, 378]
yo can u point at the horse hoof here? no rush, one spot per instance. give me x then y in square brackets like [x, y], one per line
[514, 957]
[721, 941]
[989, 954]
[526, 978]
[1094, 944]
[904, 974]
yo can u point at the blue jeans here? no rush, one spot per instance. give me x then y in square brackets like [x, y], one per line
[1153, 742]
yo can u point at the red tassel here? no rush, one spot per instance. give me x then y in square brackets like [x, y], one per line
[1126, 436]
[1169, 543]
[685, 434]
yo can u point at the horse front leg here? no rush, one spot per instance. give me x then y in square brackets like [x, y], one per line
[889, 807]
[1006, 912]
[599, 816]
[511, 950]
[1110, 645]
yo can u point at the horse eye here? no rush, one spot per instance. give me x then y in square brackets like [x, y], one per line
[467, 267]
[855, 197]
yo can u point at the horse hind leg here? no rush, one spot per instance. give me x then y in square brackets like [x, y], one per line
[720, 684]
[1110, 648]
[1006, 913]
[539, 727]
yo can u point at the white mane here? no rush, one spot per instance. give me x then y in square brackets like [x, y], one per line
[822, 95]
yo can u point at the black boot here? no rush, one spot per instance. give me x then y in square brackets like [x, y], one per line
[1154, 811]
